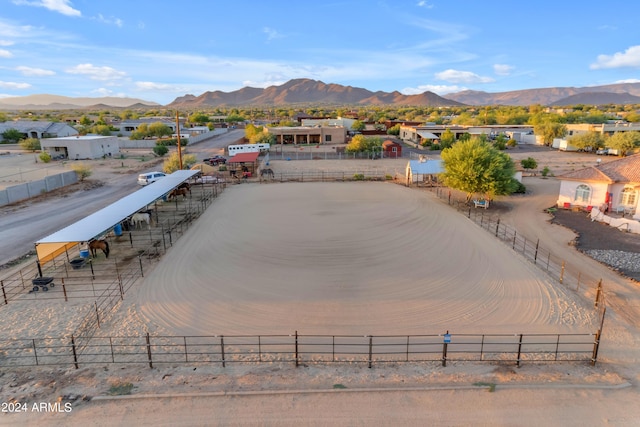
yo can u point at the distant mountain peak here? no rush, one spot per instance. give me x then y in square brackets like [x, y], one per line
[307, 91]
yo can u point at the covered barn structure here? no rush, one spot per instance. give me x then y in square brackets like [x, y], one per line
[104, 220]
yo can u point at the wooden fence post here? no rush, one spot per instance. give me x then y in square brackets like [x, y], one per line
[370, 350]
[75, 355]
[95, 304]
[64, 290]
[519, 351]
[149, 350]
[296, 350]
[598, 294]
[535, 256]
[4, 294]
[497, 226]
[222, 350]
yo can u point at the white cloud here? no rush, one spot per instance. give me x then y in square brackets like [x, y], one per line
[5, 53]
[6, 43]
[628, 81]
[153, 86]
[439, 89]
[423, 3]
[628, 58]
[108, 92]
[29, 71]
[111, 21]
[14, 85]
[97, 73]
[271, 33]
[263, 84]
[502, 69]
[456, 76]
[61, 6]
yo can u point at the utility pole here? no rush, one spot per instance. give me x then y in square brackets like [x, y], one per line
[179, 143]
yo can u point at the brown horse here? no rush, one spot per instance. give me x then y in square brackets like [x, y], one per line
[94, 245]
[179, 191]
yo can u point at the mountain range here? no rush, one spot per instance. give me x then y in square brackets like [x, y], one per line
[314, 92]
[57, 102]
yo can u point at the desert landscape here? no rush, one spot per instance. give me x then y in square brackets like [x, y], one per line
[281, 256]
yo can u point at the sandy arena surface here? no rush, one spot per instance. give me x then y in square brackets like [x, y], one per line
[341, 258]
[348, 258]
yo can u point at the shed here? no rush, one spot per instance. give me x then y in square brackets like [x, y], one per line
[243, 162]
[423, 170]
[81, 147]
[391, 149]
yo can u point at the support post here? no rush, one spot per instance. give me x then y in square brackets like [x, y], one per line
[73, 350]
[519, 351]
[149, 350]
[296, 351]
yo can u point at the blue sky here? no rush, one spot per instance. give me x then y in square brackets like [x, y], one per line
[158, 50]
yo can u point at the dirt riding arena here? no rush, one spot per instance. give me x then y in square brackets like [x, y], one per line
[348, 258]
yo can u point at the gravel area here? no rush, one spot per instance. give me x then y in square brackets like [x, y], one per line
[617, 249]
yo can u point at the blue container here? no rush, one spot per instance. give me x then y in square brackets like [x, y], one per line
[84, 253]
[117, 230]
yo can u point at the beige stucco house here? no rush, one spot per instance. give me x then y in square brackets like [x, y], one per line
[611, 187]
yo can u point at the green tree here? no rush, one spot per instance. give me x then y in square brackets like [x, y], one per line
[549, 131]
[172, 164]
[447, 139]
[159, 129]
[475, 167]
[587, 141]
[529, 163]
[235, 118]
[160, 149]
[263, 138]
[623, 142]
[394, 130]
[251, 131]
[198, 118]
[85, 121]
[12, 135]
[31, 144]
[358, 126]
[103, 130]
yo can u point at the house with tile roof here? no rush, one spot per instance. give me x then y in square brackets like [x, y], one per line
[38, 129]
[611, 187]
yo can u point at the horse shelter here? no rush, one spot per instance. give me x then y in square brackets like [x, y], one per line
[64, 258]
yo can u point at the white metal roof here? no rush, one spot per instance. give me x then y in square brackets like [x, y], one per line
[427, 135]
[103, 220]
[428, 167]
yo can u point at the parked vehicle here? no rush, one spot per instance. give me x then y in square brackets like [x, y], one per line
[149, 177]
[215, 160]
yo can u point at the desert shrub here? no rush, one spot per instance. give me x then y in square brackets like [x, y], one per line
[45, 157]
[160, 150]
[545, 171]
[358, 177]
[31, 144]
[83, 171]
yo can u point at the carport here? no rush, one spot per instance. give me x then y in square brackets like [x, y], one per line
[105, 219]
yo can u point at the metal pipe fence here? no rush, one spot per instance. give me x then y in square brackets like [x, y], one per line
[329, 176]
[300, 349]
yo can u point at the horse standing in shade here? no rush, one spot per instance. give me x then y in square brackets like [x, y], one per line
[179, 191]
[138, 218]
[268, 172]
[103, 245]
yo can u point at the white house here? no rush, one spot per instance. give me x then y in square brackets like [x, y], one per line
[611, 187]
[81, 147]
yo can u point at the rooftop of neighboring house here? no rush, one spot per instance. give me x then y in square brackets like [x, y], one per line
[624, 170]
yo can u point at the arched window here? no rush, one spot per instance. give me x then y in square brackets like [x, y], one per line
[583, 193]
[628, 197]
